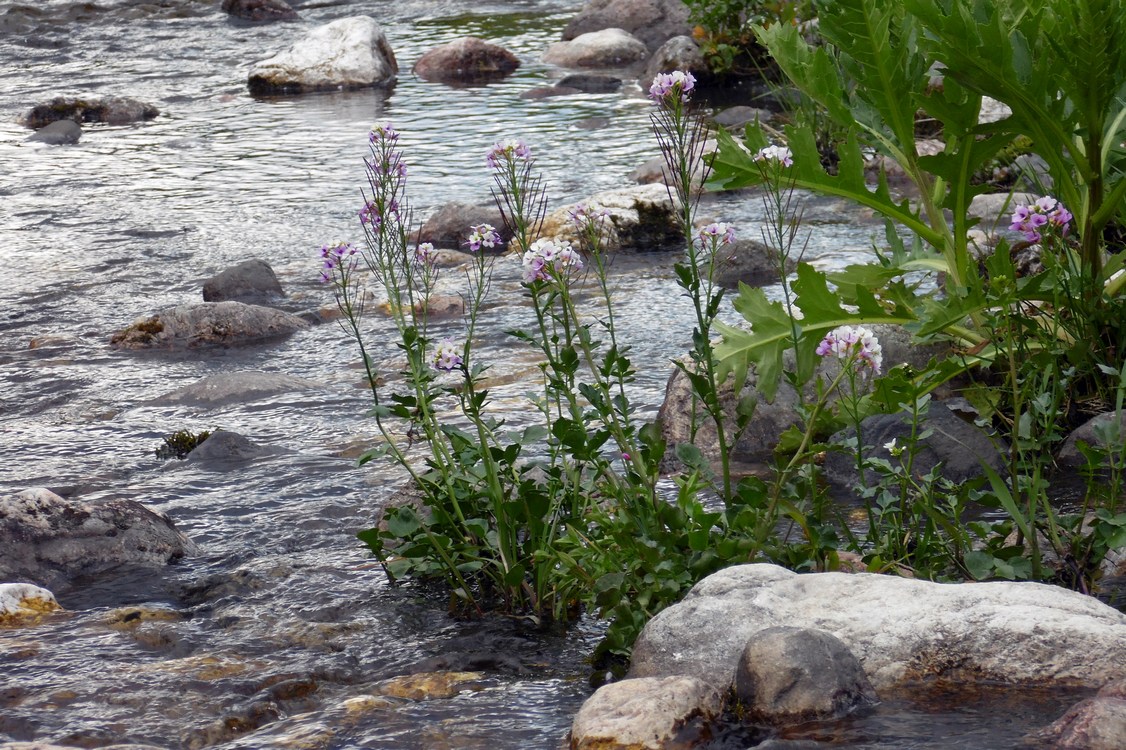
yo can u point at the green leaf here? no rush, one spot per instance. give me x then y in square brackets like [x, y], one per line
[979, 564]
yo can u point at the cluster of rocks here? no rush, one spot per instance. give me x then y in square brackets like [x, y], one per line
[779, 648]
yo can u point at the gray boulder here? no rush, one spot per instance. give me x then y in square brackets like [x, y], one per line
[652, 21]
[738, 117]
[349, 53]
[641, 219]
[1092, 432]
[591, 83]
[1098, 723]
[237, 388]
[678, 53]
[51, 541]
[646, 714]
[468, 60]
[608, 48]
[207, 324]
[792, 675]
[958, 445]
[748, 262]
[260, 11]
[250, 281]
[900, 629]
[114, 110]
[223, 448]
[449, 226]
[58, 133]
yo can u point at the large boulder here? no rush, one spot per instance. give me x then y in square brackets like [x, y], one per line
[226, 388]
[24, 604]
[609, 48]
[645, 714]
[349, 53]
[900, 629]
[114, 110]
[450, 226]
[468, 60]
[678, 53]
[260, 11]
[640, 218]
[48, 540]
[652, 21]
[250, 281]
[207, 324]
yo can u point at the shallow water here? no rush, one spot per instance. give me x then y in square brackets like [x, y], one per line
[263, 638]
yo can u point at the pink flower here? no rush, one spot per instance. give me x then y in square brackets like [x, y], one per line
[1045, 212]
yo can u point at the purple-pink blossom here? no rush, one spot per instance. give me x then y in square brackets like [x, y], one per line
[505, 152]
[672, 85]
[447, 356]
[583, 215]
[778, 154]
[425, 254]
[716, 234]
[483, 235]
[1045, 213]
[856, 344]
[547, 256]
[338, 259]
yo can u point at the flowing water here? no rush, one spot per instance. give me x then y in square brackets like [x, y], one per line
[273, 634]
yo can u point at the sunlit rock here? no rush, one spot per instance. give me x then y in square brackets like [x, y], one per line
[58, 133]
[431, 685]
[349, 53]
[900, 629]
[207, 324]
[609, 48]
[646, 714]
[652, 21]
[50, 540]
[238, 388]
[466, 60]
[639, 218]
[678, 53]
[24, 604]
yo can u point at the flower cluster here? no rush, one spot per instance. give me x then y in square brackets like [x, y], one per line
[383, 132]
[483, 235]
[854, 344]
[668, 86]
[338, 259]
[546, 256]
[1045, 212]
[716, 234]
[425, 254]
[505, 152]
[387, 159]
[447, 357]
[584, 215]
[776, 154]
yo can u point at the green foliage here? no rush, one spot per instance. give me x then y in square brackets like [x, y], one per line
[724, 29]
[180, 444]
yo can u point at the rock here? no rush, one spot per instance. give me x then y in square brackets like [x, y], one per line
[49, 746]
[591, 83]
[1033, 174]
[24, 604]
[115, 110]
[995, 210]
[678, 53]
[652, 21]
[770, 419]
[349, 53]
[237, 388]
[892, 169]
[900, 629]
[250, 281]
[50, 541]
[225, 447]
[609, 48]
[749, 262]
[1090, 432]
[260, 11]
[431, 685]
[450, 225]
[58, 133]
[738, 117]
[1098, 723]
[467, 60]
[654, 171]
[792, 675]
[207, 324]
[958, 445]
[646, 714]
[641, 219]
[546, 92]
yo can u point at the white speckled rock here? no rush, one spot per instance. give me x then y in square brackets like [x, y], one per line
[609, 48]
[22, 602]
[644, 714]
[641, 218]
[348, 53]
[900, 629]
